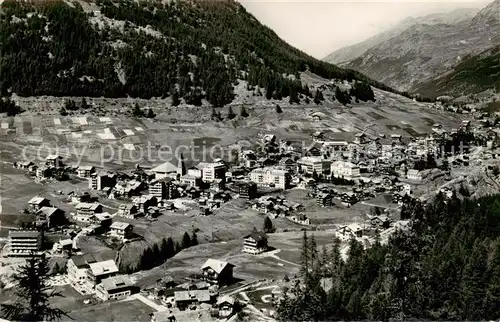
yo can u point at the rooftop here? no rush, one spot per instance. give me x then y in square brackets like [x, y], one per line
[119, 225]
[36, 200]
[116, 282]
[104, 267]
[165, 168]
[217, 265]
[24, 233]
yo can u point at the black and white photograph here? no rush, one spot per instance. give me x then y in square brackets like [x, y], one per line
[249, 160]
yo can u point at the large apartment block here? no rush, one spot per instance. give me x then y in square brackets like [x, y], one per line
[24, 242]
[271, 177]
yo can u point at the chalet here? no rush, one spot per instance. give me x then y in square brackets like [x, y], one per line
[287, 163]
[396, 137]
[360, 138]
[247, 190]
[352, 230]
[255, 243]
[44, 172]
[217, 185]
[103, 220]
[128, 211]
[36, 203]
[115, 288]
[25, 165]
[85, 171]
[193, 192]
[324, 199]
[318, 136]
[248, 158]
[226, 306]
[380, 222]
[217, 272]
[85, 211]
[143, 203]
[184, 299]
[54, 161]
[51, 216]
[300, 219]
[129, 189]
[80, 197]
[318, 116]
[121, 229]
[313, 151]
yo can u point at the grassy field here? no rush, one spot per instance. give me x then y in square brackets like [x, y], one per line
[133, 310]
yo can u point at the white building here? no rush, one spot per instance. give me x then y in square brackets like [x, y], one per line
[414, 175]
[212, 171]
[311, 164]
[23, 243]
[115, 288]
[271, 177]
[346, 170]
[77, 268]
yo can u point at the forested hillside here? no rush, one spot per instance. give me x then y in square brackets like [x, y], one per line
[445, 267]
[186, 49]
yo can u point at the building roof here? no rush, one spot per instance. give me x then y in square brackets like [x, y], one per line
[217, 265]
[24, 233]
[49, 211]
[225, 299]
[104, 267]
[257, 235]
[86, 167]
[120, 225]
[53, 157]
[83, 261]
[87, 205]
[165, 168]
[116, 282]
[65, 242]
[36, 200]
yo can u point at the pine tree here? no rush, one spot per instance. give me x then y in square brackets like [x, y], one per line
[150, 113]
[305, 257]
[155, 254]
[83, 103]
[492, 300]
[278, 109]
[62, 111]
[243, 111]
[194, 239]
[177, 247]
[268, 226]
[230, 113]
[186, 241]
[33, 293]
[474, 281]
[175, 98]
[136, 110]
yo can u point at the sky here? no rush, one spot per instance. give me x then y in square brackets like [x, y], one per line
[319, 27]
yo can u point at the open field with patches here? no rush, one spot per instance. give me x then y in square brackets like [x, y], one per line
[275, 264]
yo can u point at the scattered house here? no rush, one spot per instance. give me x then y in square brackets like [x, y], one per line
[300, 219]
[121, 229]
[85, 171]
[54, 160]
[163, 188]
[25, 165]
[143, 203]
[313, 151]
[44, 172]
[248, 158]
[225, 305]
[99, 271]
[36, 203]
[396, 137]
[115, 288]
[383, 222]
[247, 190]
[85, 211]
[217, 272]
[324, 199]
[99, 181]
[360, 138]
[103, 220]
[255, 243]
[271, 177]
[128, 211]
[23, 243]
[414, 175]
[130, 188]
[351, 230]
[288, 164]
[80, 197]
[217, 185]
[184, 299]
[51, 216]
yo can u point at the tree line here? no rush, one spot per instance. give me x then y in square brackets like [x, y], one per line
[203, 49]
[159, 253]
[445, 266]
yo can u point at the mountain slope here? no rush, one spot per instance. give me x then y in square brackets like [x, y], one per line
[352, 52]
[188, 49]
[473, 75]
[423, 51]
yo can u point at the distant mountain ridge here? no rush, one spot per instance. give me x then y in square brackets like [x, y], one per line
[425, 50]
[348, 53]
